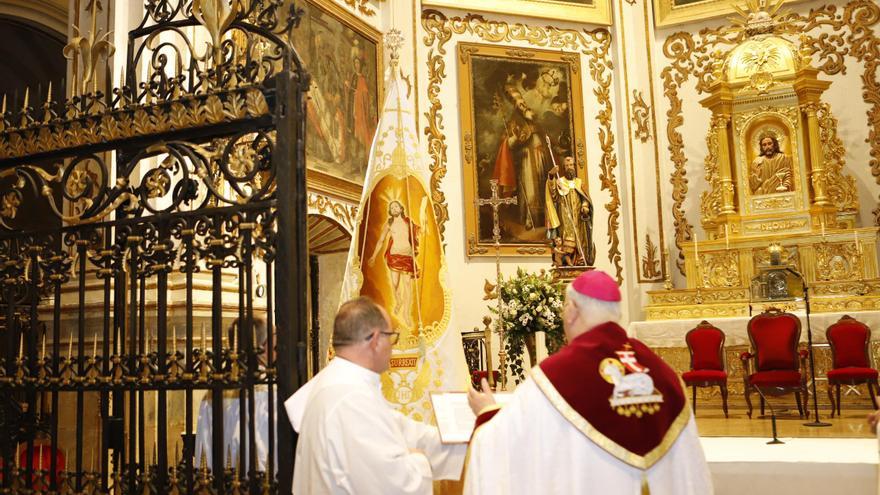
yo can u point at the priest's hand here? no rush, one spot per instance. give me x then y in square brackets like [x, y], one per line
[479, 400]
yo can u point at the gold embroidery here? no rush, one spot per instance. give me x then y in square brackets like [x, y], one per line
[605, 443]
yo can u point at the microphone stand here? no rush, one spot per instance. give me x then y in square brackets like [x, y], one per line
[816, 421]
[776, 439]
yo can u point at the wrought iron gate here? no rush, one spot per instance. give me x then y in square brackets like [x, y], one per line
[172, 193]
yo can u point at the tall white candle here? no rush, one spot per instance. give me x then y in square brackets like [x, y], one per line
[727, 237]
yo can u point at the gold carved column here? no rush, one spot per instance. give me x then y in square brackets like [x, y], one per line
[809, 91]
[722, 128]
[721, 105]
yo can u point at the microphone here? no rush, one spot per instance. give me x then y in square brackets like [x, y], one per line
[775, 440]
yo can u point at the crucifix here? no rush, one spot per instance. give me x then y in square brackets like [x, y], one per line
[495, 202]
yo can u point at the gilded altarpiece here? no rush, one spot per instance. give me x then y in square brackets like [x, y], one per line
[774, 174]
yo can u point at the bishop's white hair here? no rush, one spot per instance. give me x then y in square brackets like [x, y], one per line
[597, 309]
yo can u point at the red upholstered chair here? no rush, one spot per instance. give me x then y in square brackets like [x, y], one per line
[706, 345]
[778, 366]
[849, 339]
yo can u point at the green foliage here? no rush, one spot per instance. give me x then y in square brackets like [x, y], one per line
[530, 303]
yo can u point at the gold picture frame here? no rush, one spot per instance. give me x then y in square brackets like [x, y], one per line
[585, 11]
[673, 12]
[523, 96]
[338, 141]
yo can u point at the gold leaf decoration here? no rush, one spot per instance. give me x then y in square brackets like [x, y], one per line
[650, 261]
[345, 214]
[840, 32]
[641, 113]
[362, 6]
[117, 124]
[595, 44]
[841, 188]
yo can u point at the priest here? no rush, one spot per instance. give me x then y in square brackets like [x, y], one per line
[603, 415]
[351, 440]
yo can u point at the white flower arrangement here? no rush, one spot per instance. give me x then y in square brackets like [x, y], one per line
[530, 303]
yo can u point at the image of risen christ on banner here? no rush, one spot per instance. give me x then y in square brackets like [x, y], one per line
[400, 241]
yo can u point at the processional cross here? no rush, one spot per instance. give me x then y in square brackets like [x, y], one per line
[495, 202]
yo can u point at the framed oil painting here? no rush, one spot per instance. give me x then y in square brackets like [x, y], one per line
[673, 12]
[343, 55]
[583, 11]
[521, 113]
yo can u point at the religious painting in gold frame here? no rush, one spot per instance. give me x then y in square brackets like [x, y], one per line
[584, 11]
[512, 101]
[343, 55]
[773, 183]
[673, 12]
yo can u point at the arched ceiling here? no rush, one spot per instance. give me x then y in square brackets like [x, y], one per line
[51, 14]
[30, 56]
[327, 236]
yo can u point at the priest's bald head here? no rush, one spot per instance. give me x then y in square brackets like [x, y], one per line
[591, 299]
[362, 334]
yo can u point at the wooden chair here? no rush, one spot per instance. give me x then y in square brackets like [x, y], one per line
[779, 368]
[706, 345]
[851, 362]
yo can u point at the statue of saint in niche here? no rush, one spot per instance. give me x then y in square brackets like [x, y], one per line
[771, 171]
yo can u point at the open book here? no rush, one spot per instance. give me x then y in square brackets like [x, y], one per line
[455, 420]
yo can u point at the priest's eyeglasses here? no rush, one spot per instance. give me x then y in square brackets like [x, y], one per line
[392, 336]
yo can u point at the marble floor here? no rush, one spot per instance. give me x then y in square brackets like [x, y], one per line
[852, 423]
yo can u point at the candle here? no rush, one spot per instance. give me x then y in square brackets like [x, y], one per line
[95, 345]
[70, 347]
[234, 343]
[204, 342]
[21, 345]
[822, 223]
[40, 466]
[856, 241]
[43, 349]
[727, 237]
[147, 345]
[696, 249]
